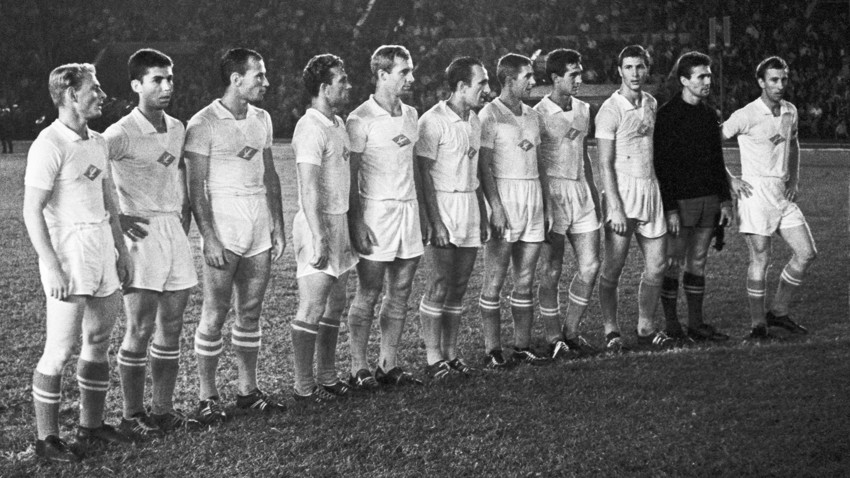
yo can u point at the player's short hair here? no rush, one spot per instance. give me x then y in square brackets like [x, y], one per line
[558, 60]
[690, 60]
[318, 71]
[236, 60]
[770, 63]
[509, 66]
[145, 59]
[384, 57]
[460, 69]
[67, 76]
[634, 51]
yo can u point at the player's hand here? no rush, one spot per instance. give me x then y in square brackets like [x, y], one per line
[726, 216]
[362, 238]
[499, 222]
[214, 254]
[741, 189]
[791, 190]
[133, 226]
[56, 282]
[278, 243]
[321, 253]
[125, 268]
[484, 228]
[674, 223]
[426, 228]
[439, 234]
[617, 221]
[547, 230]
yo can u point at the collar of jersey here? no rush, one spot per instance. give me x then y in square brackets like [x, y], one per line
[223, 113]
[67, 133]
[321, 117]
[627, 105]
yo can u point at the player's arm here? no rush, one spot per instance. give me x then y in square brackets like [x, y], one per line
[591, 180]
[544, 191]
[54, 278]
[665, 164]
[484, 225]
[439, 233]
[110, 203]
[117, 143]
[362, 238]
[308, 176]
[424, 214]
[731, 128]
[273, 196]
[186, 208]
[499, 220]
[792, 186]
[615, 213]
[198, 168]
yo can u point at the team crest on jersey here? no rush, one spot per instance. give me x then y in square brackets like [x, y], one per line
[573, 134]
[472, 152]
[525, 145]
[345, 154]
[247, 153]
[401, 140]
[166, 159]
[777, 139]
[92, 172]
[643, 130]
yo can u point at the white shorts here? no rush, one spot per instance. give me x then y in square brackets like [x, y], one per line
[642, 201]
[523, 204]
[767, 210]
[87, 256]
[162, 260]
[396, 227]
[342, 257]
[571, 207]
[242, 223]
[461, 216]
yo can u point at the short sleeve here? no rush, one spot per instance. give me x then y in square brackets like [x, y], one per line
[43, 164]
[735, 125]
[488, 129]
[429, 137]
[198, 137]
[308, 143]
[356, 133]
[795, 121]
[607, 121]
[117, 142]
[269, 130]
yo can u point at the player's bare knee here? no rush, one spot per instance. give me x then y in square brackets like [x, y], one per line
[310, 311]
[437, 290]
[54, 358]
[138, 333]
[589, 270]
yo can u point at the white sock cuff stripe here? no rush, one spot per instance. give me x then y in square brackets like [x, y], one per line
[132, 361]
[208, 343]
[247, 333]
[694, 290]
[332, 325]
[94, 385]
[755, 292]
[578, 300]
[456, 309]
[45, 396]
[548, 311]
[209, 353]
[164, 354]
[294, 327]
[522, 302]
[789, 278]
[248, 345]
[431, 309]
[487, 305]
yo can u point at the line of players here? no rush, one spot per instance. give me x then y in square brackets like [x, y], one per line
[377, 192]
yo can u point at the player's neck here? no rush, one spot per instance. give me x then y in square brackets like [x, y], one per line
[236, 105]
[155, 116]
[74, 122]
[774, 106]
[689, 98]
[322, 106]
[513, 102]
[564, 100]
[460, 108]
[388, 101]
[634, 96]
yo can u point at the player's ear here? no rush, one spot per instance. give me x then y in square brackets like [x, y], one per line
[235, 78]
[136, 85]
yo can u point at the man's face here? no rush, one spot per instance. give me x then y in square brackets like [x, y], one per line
[337, 92]
[774, 83]
[570, 82]
[633, 71]
[156, 87]
[253, 84]
[88, 98]
[399, 80]
[524, 81]
[475, 94]
[699, 83]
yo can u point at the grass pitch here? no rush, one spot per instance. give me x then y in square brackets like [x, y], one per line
[731, 410]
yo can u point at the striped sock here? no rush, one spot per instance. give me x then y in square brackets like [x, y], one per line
[246, 346]
[694, 286]
[392, 318]
[326, 340]
[550, 312]
[452, 315]
[608, 297]
[208, 348]
[131, 368]
[165, 363]
[580, 292]
[755, 297]
[647, 303]
[522, 310]
[46, 397]
[360, 317]
[491, 319]
[303, 348]
[93, 380]
[431, 317]
[789, 283]
[670, 300]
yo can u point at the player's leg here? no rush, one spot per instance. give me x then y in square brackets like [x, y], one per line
[759, 249]
[441, 264]
[655, 260]
[326, 339]
[93, 369]
[524, 264]
[361, 314]
[313, 292]
[217, 285]
[497, 258]
[693, 280]
[799, 238]
[464, 263]
[165, 359]
[399, 279]
[616, 251]
[677, 247]
[552, 261]
[586, 249]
